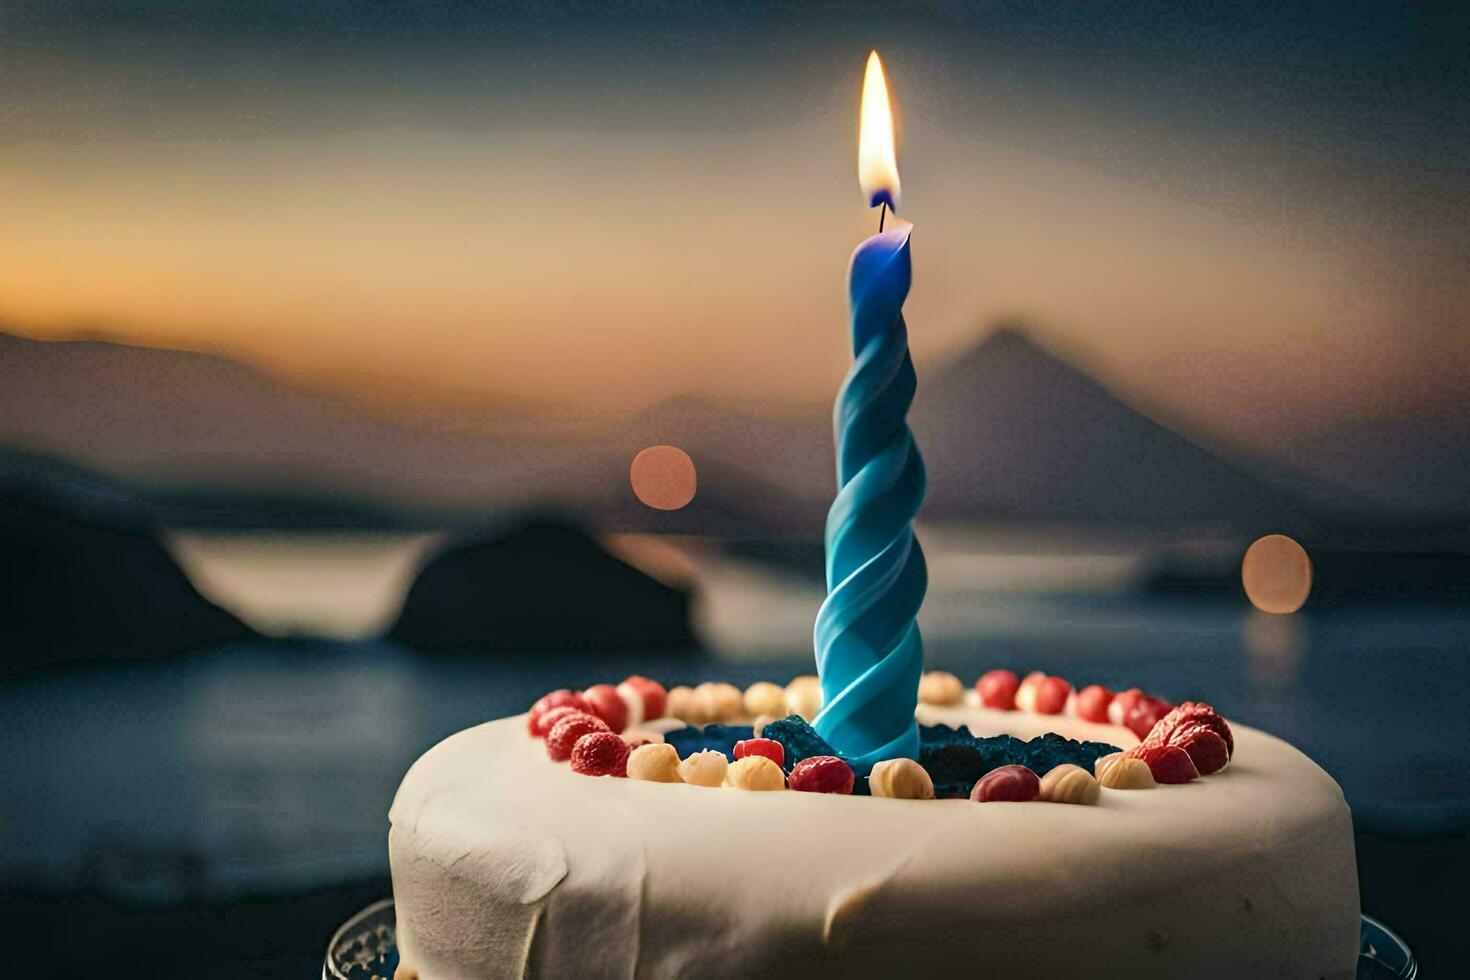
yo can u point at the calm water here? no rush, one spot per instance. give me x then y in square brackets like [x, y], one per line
[269, 767]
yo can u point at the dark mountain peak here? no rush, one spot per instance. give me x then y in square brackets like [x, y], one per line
[542, 582]
[96, 350]
[1007, 352]
[87, 576]
[1011, 429]
[680, 410]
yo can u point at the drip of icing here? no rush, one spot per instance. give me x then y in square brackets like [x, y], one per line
[869, 652]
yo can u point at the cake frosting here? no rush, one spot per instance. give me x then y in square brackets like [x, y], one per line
[507, 864]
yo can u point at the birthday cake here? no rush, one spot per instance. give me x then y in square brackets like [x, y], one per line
[1040, 832]
[873, 820]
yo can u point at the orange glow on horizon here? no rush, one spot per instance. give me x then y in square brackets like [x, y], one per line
[398, 273]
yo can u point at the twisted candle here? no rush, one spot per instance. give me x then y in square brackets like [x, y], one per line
[869, 653]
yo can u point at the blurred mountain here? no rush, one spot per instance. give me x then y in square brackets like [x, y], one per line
[200, 420]
[543, 583]
[214, 443]
[1416, 469]
[86, 577]
[1009, 430]
[786, 446]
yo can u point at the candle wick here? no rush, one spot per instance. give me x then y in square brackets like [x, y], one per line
[882, 213]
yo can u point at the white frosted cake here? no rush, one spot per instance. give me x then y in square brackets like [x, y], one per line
[507, 864]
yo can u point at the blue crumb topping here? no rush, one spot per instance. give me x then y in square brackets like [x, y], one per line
[954, 758]
[720, 738]
[799, 739]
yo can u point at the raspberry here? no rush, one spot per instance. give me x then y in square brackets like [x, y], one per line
[655, 698]
[604, 702]
[1123, 703]
[1192, 713]
[821, 774]
[768, 747]
[564, 734]
[1207, 750]
[548, 720]
[601, 754]
[563, 698]
[997, 689]
[1051, 696]
[1168, 763]
[1008, 784]
[1144, 715]
[1091, 703]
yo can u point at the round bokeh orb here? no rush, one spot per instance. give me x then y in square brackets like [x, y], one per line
[663, 477]
[1277, 574]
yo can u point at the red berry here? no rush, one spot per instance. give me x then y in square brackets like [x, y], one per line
[655, 698]
[768, 747]
[997, 689]
[1192, 713]
[600, 754]
[604, 702]
[1122, 703]
[1144, 715]
[548, 720]
[821, 774]
[1091, 703]
[1207, 750]
[1008, 784]
[563, 698]
[1026, 693]
[564, 734]
[1168, 763]
[1051, 695]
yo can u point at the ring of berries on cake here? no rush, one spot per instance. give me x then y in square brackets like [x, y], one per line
[710, 736]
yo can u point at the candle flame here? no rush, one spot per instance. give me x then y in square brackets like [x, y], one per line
[877, 165]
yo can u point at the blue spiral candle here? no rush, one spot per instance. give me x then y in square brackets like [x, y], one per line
[869, 652]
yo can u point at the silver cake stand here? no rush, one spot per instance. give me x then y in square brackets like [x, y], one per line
[364, 949]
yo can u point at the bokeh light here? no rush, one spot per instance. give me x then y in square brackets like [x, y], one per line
[1277, 574]
[663, 477]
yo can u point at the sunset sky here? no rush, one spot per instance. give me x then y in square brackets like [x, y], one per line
[1253, 221]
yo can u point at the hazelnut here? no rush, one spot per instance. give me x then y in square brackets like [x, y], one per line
[405, 972]
[755, 772]
[655, 763]
[716, 702]
[940, 687]
[680, 699]
[1117, 771]
[705, 768]
[765, 698]
[804, 696]
[1069, 784]
[900, 779]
